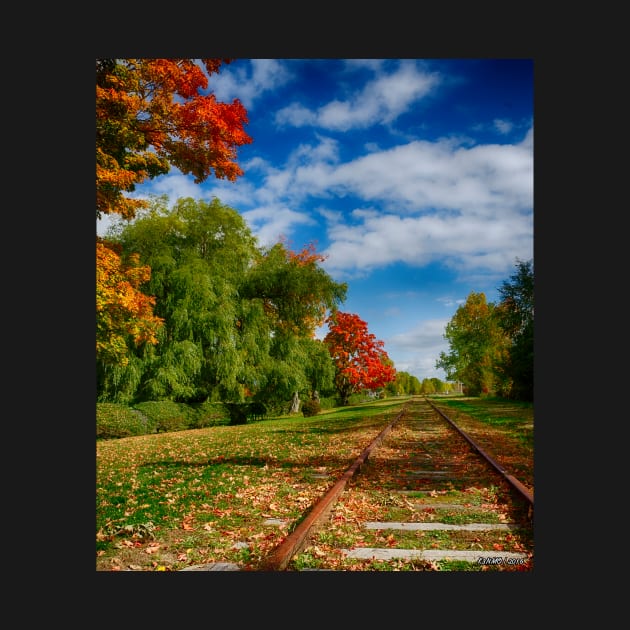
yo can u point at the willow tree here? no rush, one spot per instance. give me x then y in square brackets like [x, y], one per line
[199, 253]
[296, 295]
[236, 317]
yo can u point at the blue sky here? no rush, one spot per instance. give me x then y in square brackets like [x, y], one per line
[413, 176]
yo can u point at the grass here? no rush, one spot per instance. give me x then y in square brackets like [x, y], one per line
[168, 500]
[224, 493]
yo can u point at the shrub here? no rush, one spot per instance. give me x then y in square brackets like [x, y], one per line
[328, 403]
[237, 412]
[208, 414]
[167, 415]
[311, 407]
[114, 420]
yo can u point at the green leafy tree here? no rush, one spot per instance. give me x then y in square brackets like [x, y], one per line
[198, 253]
[295, 294]
[428, 386]
[476, 345]
[238, 320]
[515, 313]
[404, 383]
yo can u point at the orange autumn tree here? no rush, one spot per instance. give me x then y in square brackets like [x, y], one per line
[122, 311]
[359, 358]
[152, 114]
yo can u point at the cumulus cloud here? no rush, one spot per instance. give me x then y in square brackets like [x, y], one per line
[381, 101]
[418, 348]
[272, 223]
[250, 82]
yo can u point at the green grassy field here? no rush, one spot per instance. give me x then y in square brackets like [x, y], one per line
[169, 500]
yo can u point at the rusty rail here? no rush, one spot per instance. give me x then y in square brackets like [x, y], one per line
[513, 481]
[279, 559]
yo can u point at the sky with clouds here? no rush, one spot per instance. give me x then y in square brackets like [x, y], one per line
[414, 177]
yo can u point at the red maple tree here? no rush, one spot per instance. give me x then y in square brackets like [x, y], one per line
[360, 360]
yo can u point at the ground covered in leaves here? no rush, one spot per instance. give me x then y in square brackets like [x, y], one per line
[234, 493]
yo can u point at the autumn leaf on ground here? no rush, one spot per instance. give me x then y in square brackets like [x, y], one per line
[186, 523]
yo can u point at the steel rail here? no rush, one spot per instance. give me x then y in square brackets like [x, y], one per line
[511, 479]
[279, 559]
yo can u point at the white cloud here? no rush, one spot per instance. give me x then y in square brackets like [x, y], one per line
[271, 223]
[503, 126]
[250, 82]
[380, 101]
[418, 348]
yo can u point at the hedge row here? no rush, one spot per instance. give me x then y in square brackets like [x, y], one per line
[115, 420]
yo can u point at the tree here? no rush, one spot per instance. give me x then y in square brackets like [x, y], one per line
[405, 383]
[238, 320]
[295, 290]
[199, 253]
[516, 317]
[477, 345]
[360, 359]
[151, 114]
[123, 313]
[295, 293]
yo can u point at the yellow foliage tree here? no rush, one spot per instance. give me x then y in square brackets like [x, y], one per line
[122, 310]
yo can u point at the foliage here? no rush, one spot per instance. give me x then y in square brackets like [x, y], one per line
[404, 383]
[516, 318]
[114, 420]
[150, 114]
[359, 358]
[311, 407]
[295, 291]
[167, 415]
[117, 420]
[476, 344]
[238, 320]
[491, 347]
[154, 113]
[124, 315]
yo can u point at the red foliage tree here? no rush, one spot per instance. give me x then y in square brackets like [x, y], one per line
[359, 358]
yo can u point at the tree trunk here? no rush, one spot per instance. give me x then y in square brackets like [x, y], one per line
[295, 403]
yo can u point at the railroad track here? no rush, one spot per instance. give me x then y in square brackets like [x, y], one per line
[424, 496]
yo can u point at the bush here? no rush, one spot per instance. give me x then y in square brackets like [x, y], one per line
[237, 412]
[208, 414]
[311, 407]
[114, 420]
[167, 415]
[328, 403]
